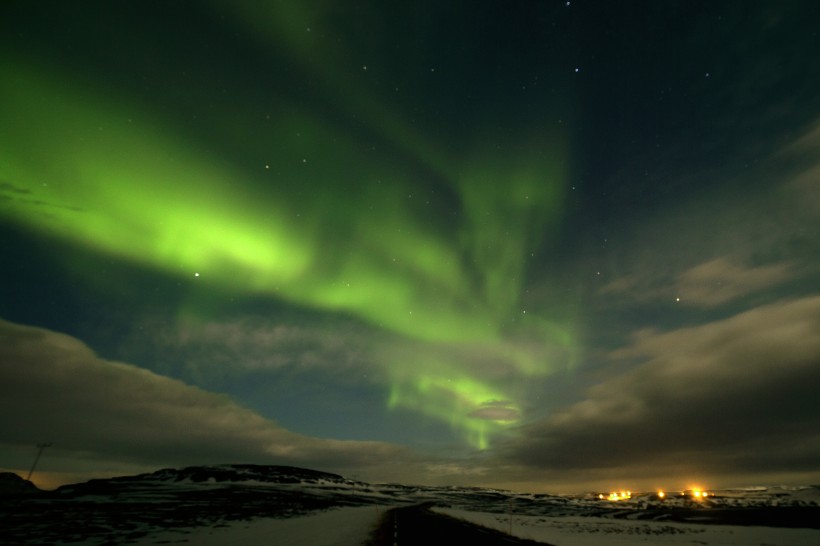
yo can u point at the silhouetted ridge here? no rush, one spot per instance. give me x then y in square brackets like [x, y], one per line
[244, 472]
[12, 484]
[228, 473]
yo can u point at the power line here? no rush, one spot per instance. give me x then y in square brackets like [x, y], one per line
[40, 448]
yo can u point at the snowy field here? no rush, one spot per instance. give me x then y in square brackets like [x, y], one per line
[253, 504]
[341, 527]
[352, 527]
[592, 531]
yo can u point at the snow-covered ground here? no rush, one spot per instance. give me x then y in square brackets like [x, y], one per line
[252, 504]
[352, 527]
[341, 527]
[593, 531]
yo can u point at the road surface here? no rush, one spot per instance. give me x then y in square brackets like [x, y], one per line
[419, 526]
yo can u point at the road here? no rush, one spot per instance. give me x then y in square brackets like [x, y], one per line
[419, 526]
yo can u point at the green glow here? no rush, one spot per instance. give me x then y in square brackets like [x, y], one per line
[446, 393]
[115, 183]
[304, 30]
[511, 202]
[320, 222]
[99, 179]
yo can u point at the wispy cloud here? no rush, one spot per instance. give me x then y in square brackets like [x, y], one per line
[496, 411]
[251, 344]
[806, 183]
[721, 280]
[708, 284]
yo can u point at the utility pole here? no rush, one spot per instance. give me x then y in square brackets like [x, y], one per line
[40, 448]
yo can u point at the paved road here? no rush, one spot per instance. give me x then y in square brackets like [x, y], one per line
[419, 526]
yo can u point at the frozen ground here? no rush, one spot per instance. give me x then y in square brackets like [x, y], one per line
[249, 504]
[342, 527]
[352, 527]
[595, 531]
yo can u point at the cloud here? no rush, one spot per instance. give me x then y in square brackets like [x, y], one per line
[723, 242]
[54, 388]
[728, 397]
[237, 346]
[721, 280]
[707, 284]
[456, 470]
[806, 182]
[258, 345]
[496, 411]
[807, 186]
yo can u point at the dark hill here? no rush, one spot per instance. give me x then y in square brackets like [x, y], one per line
[246, 472]
[12, 484]
[229, 473]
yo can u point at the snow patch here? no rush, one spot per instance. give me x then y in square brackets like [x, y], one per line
[341, 527]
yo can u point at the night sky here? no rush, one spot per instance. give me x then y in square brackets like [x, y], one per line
[539, 245]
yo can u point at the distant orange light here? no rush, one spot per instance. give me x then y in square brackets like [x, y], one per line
[661, 494]
[618, 496]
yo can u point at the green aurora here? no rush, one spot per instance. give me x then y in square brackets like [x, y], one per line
[340, 232]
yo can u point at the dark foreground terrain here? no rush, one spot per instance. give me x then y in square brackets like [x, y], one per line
[123, 510]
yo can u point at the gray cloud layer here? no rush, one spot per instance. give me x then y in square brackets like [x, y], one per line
[54, 388]
[729, 397]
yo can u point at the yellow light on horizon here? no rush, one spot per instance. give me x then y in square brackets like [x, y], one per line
[619, 495]
[661, 494]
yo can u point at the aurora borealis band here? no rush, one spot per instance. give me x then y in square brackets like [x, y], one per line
[372, 230]
[125, 189]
